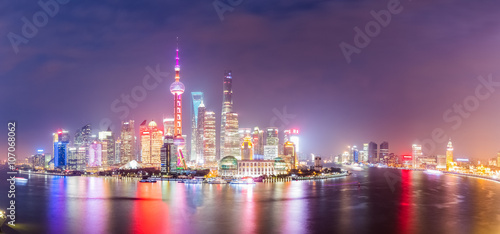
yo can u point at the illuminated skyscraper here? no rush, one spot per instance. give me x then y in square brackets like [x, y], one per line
[199, 134]
[83, 138]
[363, 154]
[372, 152]
[271, 148]
[151, 143]
[383, 154]
[244, 132]
[61, 141]
[272, 136]
[355, 153]
[449, 155]
[232, 138]
[227, 107]
[289, 151]
[168, 126]
[168, 155]
[415, 155]
[118, 144]
[177, 89]
[127, 149]
[196, 101]
[95, 154]
[247, 148]
[258, 141]
[293, 136]
[108, 146]
[209, 141]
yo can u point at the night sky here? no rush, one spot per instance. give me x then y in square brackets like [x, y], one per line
[283, 54]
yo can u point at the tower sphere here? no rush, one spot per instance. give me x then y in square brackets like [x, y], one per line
[177, 88]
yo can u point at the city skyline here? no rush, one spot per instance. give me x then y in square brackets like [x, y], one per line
[83, 90]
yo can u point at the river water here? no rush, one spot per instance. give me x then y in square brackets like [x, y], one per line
[386, 201]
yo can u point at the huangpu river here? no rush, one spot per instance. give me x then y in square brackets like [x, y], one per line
[385, 201]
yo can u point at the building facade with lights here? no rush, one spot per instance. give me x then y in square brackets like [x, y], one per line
[247, 148]
[127, 146]
[151, 143]
[231, 167]
[231, 138]
[61, 141]
[449, 156]
[196, 101]
[209, 140]
[227, 107]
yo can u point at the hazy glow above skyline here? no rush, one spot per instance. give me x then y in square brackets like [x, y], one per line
[283, 55]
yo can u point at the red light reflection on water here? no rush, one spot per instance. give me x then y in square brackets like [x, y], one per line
[405, 203]
[150, 213]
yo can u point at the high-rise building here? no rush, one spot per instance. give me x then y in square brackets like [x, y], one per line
[247, 148]
[270, 152]
[168, 126]
[61, 141]
[177, 89]
[363, 154]
[151, 143]
[209, 141]
[416, 155]
[232, 138]
[118, 144]
[449, 155]
[383, 154]
[38, 160]
[289, 150]
[168, 155]
[108, 146]
[354, 154]
[95, 154]
[200, 133]
[83, 138]
[272, 136]
[244, 132]
[76, 158]
[372, 152]
[258, 141]
[293, 136]
[196, 101]
[227, 107]
[127, 147]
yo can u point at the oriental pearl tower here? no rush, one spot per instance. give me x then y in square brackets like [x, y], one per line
[177, 89]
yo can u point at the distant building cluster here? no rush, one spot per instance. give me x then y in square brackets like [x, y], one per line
[227, 148]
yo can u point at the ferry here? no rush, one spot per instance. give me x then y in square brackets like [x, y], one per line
[243, 181]
[193, 181]
[147, 181]
[217, 181]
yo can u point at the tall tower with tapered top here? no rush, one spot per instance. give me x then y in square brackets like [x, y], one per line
[227, 107]
[177, 89]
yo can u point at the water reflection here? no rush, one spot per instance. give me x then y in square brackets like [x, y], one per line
[420, 203]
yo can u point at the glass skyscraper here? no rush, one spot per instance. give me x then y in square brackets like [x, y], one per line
[196, 101]
[227, 107]
[61, 141]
